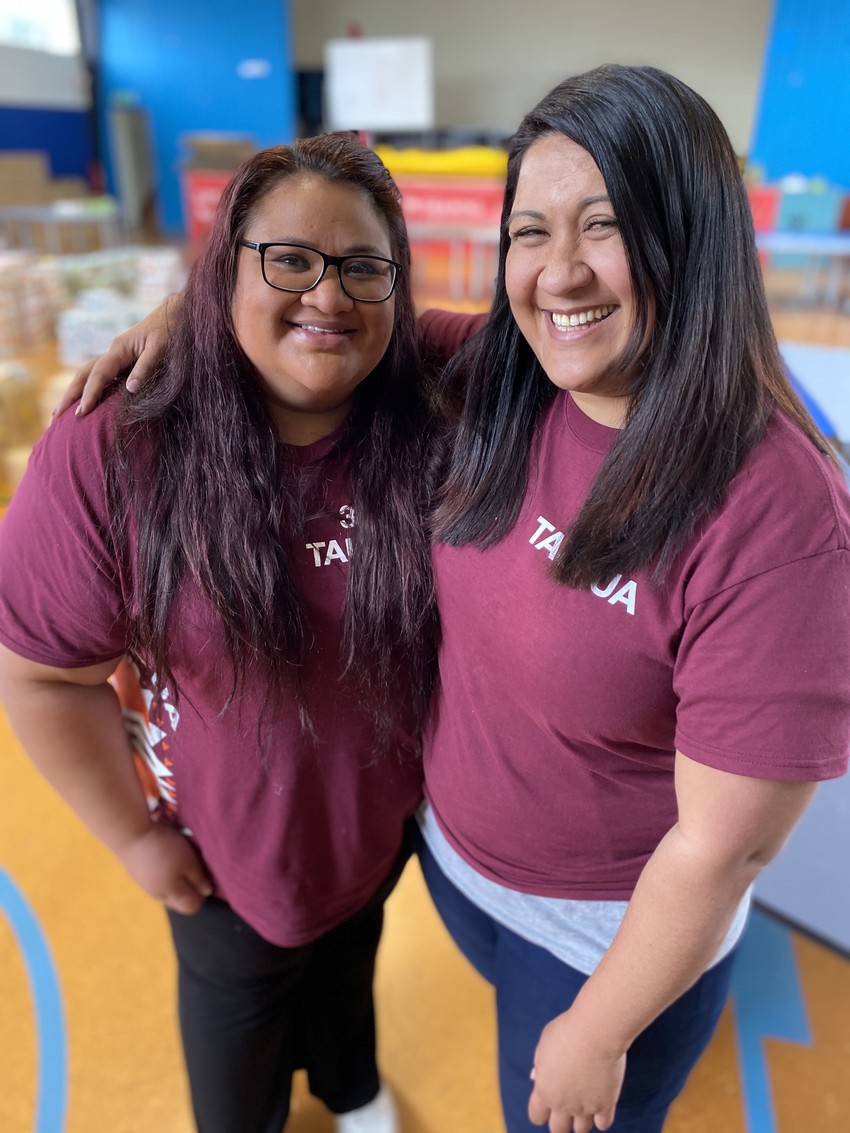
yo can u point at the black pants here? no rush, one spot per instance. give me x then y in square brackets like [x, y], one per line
[252, 1013]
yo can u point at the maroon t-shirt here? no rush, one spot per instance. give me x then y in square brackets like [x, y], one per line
[296, 845]
[549, 759]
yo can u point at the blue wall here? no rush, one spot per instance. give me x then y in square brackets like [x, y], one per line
[178, 60]
[64, 134]
[803, 124]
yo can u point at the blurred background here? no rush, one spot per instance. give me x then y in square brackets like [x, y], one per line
[121, 121]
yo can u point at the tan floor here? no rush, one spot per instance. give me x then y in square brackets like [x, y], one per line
[110, 947]
[111, 950]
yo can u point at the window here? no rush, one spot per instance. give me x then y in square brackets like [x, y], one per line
[50, 26]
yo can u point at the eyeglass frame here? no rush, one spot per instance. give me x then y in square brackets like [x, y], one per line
[327, 261]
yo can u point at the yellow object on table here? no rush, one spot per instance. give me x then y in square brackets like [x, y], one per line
[465, 161]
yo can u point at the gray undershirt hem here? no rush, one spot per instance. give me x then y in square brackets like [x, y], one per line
[576, 932]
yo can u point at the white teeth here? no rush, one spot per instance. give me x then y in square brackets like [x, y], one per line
[562, 322]
[321, 330]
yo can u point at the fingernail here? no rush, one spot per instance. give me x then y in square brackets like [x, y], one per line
[78, 411]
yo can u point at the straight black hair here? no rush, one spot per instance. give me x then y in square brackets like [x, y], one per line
[708, 369]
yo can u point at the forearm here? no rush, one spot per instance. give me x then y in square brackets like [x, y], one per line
[75, 736]
[729, 826]
[676, 921]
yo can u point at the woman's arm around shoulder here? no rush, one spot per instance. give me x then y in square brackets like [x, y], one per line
[443, 333]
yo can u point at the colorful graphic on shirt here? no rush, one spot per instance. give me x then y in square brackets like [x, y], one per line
[149, 729]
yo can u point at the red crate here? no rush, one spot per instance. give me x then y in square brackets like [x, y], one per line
[764, 205]
[202, 189]
[472, 202]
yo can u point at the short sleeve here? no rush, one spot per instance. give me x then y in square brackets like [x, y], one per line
[61, 601]
[762, 673]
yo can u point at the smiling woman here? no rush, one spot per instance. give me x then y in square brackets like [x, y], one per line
[311, 327]
[640, 536]
[208, 530]
[567, 275]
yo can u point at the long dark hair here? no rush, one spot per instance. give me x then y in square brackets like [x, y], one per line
[708, 367]
[213, 500]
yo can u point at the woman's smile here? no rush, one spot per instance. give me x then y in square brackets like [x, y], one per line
[572, 320]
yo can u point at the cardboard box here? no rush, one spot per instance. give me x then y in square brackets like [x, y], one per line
[216, 151]
[20, 417]
[67, 188]
[209, 163]
[24, 177]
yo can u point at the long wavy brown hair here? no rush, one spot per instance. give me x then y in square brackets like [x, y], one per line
[200, 478]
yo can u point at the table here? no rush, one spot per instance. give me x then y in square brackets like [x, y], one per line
[44, 228]
[828, 254]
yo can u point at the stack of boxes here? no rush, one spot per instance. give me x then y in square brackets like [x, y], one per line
[20, 422]
[84, 302]
[26, 179]
[452, 202]
[27, 304]
[46, 296]
[28, 191]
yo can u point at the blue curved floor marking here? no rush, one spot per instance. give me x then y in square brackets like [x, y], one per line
[769, 1003]
[52, 1094]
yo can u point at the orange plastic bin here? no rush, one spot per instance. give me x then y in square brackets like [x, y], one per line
[764, 205]
[202, 189]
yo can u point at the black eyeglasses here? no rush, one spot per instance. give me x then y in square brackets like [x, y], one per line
[297, 267]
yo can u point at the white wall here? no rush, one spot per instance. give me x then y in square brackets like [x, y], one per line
[37, 79]
[495, 58]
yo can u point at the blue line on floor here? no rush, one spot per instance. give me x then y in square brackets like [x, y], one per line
[768, 1003]
[52, 1093]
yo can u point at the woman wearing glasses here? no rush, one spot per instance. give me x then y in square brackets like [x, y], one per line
[205, 531]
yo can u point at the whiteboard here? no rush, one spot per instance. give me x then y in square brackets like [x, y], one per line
[379, 84]
[40, 79]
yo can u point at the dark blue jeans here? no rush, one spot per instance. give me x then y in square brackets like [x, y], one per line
[532, 987]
